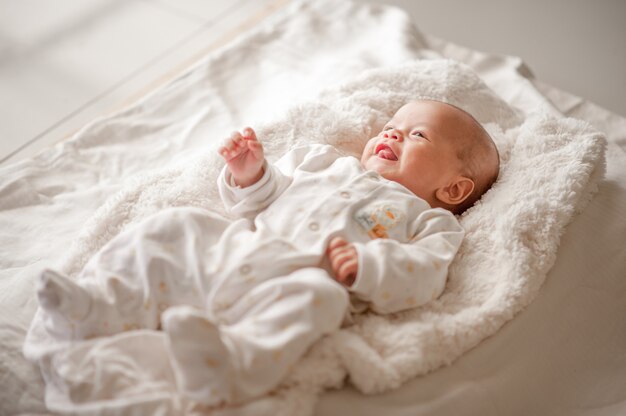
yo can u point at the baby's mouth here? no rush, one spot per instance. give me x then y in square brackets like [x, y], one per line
[384, 152]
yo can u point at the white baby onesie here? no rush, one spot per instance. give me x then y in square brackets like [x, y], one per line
[313, 194]
[309, 196]
[261, 286]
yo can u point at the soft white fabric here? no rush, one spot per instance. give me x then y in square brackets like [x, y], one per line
[511, 240]
[58, 190]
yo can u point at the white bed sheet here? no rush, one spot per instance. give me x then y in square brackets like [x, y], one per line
[566, 354]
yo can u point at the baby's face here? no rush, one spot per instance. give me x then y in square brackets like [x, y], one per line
[416, 149]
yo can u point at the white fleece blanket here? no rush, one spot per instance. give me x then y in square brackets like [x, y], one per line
[549, 167]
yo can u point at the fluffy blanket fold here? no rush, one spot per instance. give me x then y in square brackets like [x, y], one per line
[549, 167]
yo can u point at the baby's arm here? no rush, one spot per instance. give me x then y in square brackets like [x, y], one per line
[393, 276]
[248, 183]
[244, 156]
[259, 183]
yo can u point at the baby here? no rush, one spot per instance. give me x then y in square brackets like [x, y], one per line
[320, 236]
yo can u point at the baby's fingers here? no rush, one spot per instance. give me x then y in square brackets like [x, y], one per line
[223, 151]
[343, 260]
[338, 257]
[347, 272]
[256, 148]
[232, 146]
[249, 134]
[335, 243]
[235, 142]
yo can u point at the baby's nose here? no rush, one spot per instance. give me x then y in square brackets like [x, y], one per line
[393, 134]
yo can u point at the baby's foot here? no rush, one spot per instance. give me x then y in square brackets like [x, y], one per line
[200, 359]
[65, 302]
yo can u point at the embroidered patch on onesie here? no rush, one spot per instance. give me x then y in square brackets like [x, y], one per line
[378, 220]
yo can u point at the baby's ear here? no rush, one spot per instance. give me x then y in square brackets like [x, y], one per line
[456, 192]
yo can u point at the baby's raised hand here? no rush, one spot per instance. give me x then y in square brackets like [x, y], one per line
[244, 156]
[344, 260]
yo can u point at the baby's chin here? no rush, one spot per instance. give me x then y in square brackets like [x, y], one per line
[380, 165]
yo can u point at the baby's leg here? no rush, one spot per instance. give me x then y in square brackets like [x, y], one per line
[134, 278]
[263, 334]
[64, 301]
[201, 361]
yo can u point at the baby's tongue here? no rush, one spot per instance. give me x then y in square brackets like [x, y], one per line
[387, 154]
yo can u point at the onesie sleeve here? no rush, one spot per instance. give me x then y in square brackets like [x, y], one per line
[395, 276]
[249, 201]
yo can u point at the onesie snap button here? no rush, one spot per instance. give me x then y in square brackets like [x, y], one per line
[314, 226]
[245, 269]
[345, 194]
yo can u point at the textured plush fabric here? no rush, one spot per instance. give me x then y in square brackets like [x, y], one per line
[549, 167]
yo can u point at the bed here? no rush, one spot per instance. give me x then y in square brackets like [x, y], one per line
[564, 354]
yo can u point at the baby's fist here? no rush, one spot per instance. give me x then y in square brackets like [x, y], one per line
[244, 156]
[344, 260]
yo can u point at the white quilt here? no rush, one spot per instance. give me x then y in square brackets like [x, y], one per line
[160, 153]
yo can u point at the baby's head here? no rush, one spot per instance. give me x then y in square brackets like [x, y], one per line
[437, 151]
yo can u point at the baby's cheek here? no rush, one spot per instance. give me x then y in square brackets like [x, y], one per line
[369, 147]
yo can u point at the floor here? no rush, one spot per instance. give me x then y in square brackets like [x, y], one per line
[575, 45]
[64, 63]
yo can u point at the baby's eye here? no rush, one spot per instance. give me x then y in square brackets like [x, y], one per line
[417, 134]
[387, 128]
